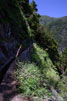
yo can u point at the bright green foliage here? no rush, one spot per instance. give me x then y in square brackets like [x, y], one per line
[46, 66]
[36, 77]
[29, 77]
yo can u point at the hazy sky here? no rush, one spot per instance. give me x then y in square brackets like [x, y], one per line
[53, 8]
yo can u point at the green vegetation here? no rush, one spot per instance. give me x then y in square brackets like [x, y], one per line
[43, 70]
[38, 76]
[24, 22]
[44, 63]
[14, 16]
[58, 28]
[47, 42]
[29, 77]
[46, 19]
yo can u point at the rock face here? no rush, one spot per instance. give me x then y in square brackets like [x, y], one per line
[5, 31]
[10, 47]
[7, 50]
[3, 58]
[25, 56]
[7, 43]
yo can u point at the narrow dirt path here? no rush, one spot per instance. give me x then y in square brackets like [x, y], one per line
[8, 91]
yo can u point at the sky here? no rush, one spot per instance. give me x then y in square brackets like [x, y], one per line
[53, 8]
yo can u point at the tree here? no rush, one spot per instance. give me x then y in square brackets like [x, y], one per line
[47, 41]
[25, 6]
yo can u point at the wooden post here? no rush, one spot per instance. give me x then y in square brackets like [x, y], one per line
[18, 51]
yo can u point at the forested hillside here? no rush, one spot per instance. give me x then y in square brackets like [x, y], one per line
[58, 28]
[38, 71]
[46, 19]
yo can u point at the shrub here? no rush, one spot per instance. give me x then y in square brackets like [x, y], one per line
[29, 77]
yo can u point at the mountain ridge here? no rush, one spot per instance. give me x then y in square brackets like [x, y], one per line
[58, 28]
